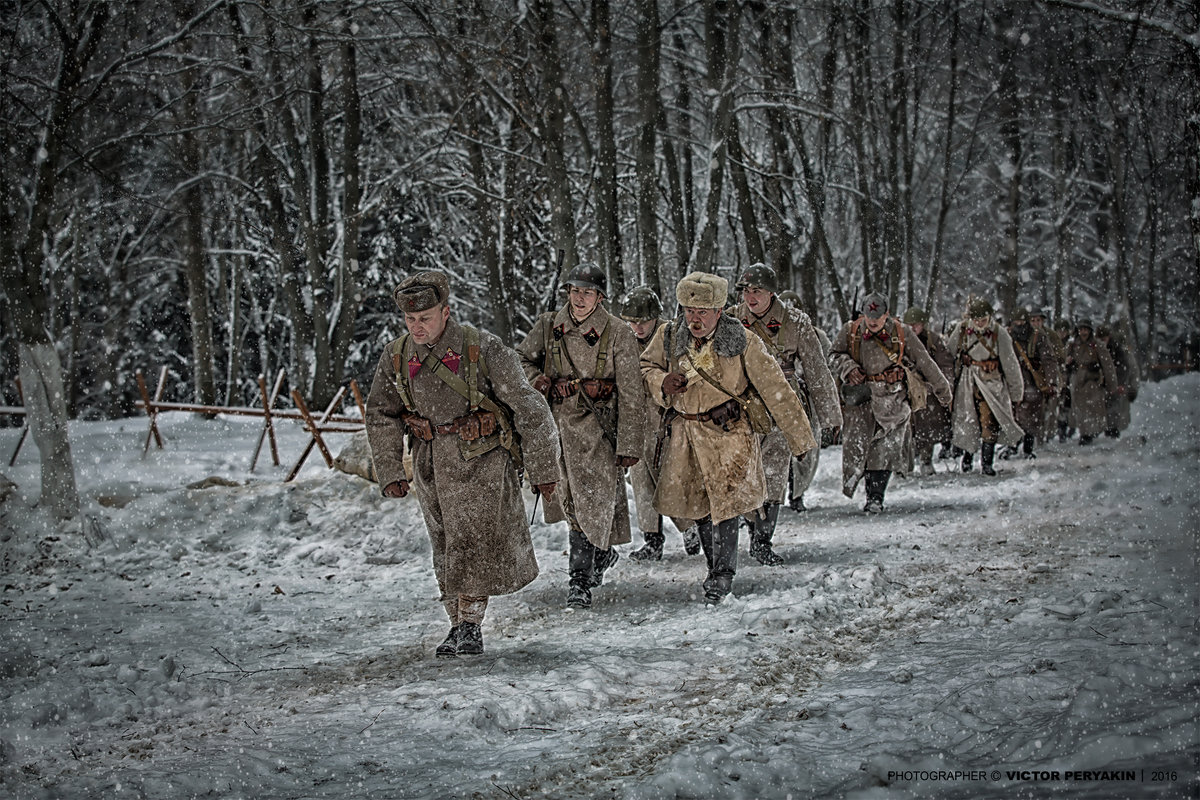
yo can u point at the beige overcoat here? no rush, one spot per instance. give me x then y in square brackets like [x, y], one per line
[473, 508]
[790, 336]
[1126, 369]
[1038, 347]
[877, 435]
[998, 387]
[931, 425]
[644, 475]
[705, 470]
[594, 487]
[1094, 372]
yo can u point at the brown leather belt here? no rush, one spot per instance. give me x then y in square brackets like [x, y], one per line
[594, 388]
[468, 427]
[988, 365]
[889, 375]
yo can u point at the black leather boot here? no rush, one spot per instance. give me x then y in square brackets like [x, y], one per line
[966, 462]
[653, 548]
[1027, 446]
[987, 458]
[470, 639]
[603, 560]
[723, 565]
[877, 481]
[761, 535]
[449, 647]
[582, 565]
[704, 532]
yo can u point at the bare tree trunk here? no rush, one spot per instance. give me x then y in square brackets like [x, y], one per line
[349, 294]
[558, 183]
[607, 224]
[1008, 273]
[859, 49]
[935, 266]
[650, 112]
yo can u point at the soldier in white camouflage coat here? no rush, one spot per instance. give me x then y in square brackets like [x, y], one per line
[792, 339]
[461, 398]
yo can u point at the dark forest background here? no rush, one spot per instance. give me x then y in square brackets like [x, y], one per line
[230, 188]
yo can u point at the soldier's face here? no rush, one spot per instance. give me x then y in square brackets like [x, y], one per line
[426, 326]
[918, 328]
[1036, 321]
[701, 321]
[583, 301]
[757, 298]
[980, 322]
[642, 327]
[875, 324]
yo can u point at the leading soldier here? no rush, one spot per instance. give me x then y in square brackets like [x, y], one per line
[791, 338]
[464, 400]
[716, 381]
[884, 369]
[586, 361]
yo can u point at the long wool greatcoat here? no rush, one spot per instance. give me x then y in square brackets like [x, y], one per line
[644, 475]
[877, 435]
[1038, 347]
[473, 508]
[790, 336]
[594, 485]
[997, 387]
[1125, 368]
[707, 471]
[931, 425]
[1094, 371]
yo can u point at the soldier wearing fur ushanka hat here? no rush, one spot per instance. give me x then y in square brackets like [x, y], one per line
[422, 291]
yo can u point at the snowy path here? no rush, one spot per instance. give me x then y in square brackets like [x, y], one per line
[276, 641]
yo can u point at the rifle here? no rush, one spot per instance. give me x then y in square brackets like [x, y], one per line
[550, 299]
[854, 302]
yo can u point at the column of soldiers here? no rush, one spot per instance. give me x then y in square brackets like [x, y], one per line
[713, 416]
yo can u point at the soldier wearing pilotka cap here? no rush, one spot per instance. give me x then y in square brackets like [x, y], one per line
[460, 398]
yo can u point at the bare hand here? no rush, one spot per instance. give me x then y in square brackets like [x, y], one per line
[674, 383]
[856, 377]
[542, 384]
[625, 462]
[396, 489]
[545, 489]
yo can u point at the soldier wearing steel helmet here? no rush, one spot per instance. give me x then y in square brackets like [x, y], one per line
[1039, 371]
[586, 362]
[642, 309]
[987, 379]
[460, 397]
[931, 424]
[884, 368]
[792, 339]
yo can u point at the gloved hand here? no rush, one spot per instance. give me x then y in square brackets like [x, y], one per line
[396, 489]
[856, 376]
[545, 489]
[674, 383]
[626, 462]
[542, 384]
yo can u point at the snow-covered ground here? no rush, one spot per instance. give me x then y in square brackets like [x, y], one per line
[1031, 635]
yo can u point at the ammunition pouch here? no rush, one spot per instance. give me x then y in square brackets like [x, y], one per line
[418, 426]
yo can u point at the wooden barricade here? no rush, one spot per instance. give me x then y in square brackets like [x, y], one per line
[17, 411]
[327, 422]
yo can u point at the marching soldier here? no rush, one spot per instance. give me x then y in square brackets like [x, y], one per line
[719, 387]
[931, 425]
[586, 362]
[1093, 371]
[463, 398]
[884, 369]
[643, 311]
[1039, 373]
[802, 471]
[792, 339]
[1062, 328]
[988, 377]
[1049, 422]
[1125, 367]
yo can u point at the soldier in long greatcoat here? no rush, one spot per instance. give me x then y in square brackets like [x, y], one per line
[586, 361]
[931, 425]
[1048, 425]
[710, 376]
[1125, 366]
[988, 378]
[461, 398]
[1092, 374]
[1039, 372]
[884, 369]
[791, 337]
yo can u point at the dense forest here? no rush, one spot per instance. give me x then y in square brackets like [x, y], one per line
[231, 188]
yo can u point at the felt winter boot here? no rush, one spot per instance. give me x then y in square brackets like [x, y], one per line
[581, 566]
[761, 535]
[987, 458]
[723, 565]
[653, 548]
